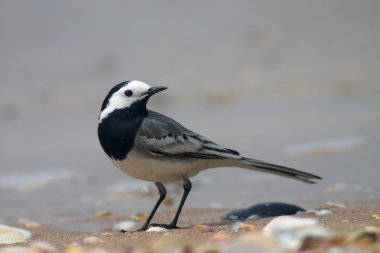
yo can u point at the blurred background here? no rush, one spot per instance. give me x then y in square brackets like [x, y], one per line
[291, 82]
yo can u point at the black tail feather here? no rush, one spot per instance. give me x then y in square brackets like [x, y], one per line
[281, 170]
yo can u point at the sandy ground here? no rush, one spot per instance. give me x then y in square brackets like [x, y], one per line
[299, 83]
[344, 220]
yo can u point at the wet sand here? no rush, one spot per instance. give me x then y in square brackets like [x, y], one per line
[218, 233]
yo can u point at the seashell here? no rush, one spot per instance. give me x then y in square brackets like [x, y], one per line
[366, 236]
[92, 240]
[201, 227]
[240, 226]
[294, 233]
[9, 235]
[125, 226]
[42, 247]
[156, 229]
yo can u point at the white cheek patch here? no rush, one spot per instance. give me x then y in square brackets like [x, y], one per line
[119, 101]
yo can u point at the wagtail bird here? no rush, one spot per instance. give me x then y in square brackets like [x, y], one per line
[150, 146]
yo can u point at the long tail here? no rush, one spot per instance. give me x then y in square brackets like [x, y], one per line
[266, 167]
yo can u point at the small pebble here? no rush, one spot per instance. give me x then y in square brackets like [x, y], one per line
[156, 229]
[125, 226]
[323, 212]
[202, 227]
[240, 226]
[334, 204]
[319, 212]
[92, 240]
[29, 224]
[138, 217]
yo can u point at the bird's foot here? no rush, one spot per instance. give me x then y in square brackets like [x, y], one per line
[167, 226]
[143, 228]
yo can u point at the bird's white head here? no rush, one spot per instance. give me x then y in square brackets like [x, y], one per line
[126, 94]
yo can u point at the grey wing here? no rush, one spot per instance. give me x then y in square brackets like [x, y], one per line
[162, 136]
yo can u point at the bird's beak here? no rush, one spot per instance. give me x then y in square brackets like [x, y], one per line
[154, 90]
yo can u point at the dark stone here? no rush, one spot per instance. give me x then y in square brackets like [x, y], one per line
[263, 210]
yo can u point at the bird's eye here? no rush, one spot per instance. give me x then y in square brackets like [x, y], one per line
[128, 93]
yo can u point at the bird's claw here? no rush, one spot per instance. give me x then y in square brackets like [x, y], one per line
[143, 228]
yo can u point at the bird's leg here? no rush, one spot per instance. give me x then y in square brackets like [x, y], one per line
[186, 190]
[162, 191]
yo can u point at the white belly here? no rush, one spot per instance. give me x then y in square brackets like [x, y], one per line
[158, 170]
